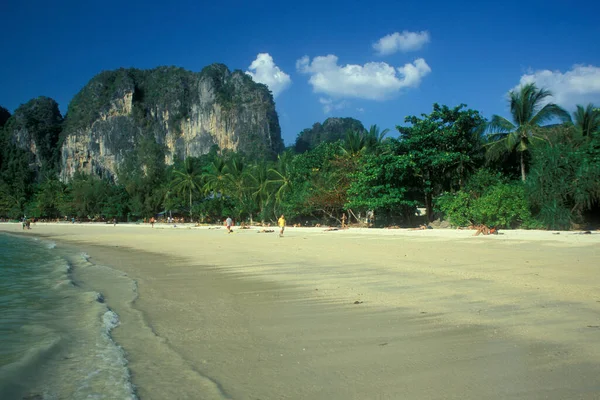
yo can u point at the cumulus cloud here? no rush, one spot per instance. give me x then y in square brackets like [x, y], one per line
[264, 70]
[579, 85]
[404, 42]
[373, 81]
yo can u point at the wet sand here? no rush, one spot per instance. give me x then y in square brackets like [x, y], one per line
[356, 314]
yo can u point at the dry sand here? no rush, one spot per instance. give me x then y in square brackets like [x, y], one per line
[440, 314]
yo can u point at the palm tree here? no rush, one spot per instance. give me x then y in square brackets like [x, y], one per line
[237, 180]
[281, 176]
[259, 184]
[374, 137]
[528, 114]
[215, 179]
[187, 181]
[587, 120]
[354, 144]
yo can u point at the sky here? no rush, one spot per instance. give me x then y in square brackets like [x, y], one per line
[376, 61]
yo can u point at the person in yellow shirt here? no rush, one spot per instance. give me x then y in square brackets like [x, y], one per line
[281, 223]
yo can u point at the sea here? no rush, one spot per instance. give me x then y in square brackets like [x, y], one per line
[55, 336]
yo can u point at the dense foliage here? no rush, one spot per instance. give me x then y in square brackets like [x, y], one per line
[451, 162]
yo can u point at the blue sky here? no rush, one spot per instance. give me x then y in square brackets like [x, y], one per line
[376, 61]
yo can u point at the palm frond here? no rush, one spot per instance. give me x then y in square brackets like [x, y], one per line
[500, 125]
[548, 113]
[495, 149]
[587, 120]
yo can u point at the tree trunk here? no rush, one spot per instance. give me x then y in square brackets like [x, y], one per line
[523, 167]
[190, 205]
[429, 206]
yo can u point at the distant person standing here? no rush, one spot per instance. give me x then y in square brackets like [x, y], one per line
[281, 223]
[343, 220]
[152, 221]
[228, 224]
[370, 217]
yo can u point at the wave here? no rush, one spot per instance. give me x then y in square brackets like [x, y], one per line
[60, 343]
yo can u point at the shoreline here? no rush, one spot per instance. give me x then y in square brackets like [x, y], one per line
[409, 285]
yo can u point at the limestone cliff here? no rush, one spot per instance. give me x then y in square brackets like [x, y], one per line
[188, 113]
[35, 128]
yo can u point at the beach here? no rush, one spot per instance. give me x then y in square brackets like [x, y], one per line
[347, 314]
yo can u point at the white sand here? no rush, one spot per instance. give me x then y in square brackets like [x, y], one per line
[441, 314]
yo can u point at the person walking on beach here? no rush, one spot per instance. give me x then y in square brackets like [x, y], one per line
[228, 223]
[343, 220]
[152, 221]
[281, 223]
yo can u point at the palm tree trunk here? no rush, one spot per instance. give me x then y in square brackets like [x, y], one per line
[523, 176]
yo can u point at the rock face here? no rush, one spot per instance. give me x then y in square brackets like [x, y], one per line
[185, 112]
[35, 127]
[329, 131]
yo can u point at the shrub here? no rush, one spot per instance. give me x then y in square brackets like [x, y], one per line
[456, 208]
[503, 205]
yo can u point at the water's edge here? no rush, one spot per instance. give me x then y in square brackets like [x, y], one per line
[71, 353]
[149, 355]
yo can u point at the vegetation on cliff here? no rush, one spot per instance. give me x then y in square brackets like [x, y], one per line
[29, 150]
[4, 116]
[331, 130]
[452, 162]
[176, 91]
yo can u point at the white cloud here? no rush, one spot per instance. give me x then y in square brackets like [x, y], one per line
[264, 70]
[373, 81]
[579, 85]
[329, 105]
[405, 41]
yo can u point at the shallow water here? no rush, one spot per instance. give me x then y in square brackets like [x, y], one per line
[55, 340]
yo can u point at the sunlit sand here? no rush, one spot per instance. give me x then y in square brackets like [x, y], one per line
[349, 314]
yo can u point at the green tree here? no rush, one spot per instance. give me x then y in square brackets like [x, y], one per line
[529, 113]
[188, 181]
[587, 120]
[281, 177]
[88, 195]
[437, 148]
[374, 138]
[383, 183]
[258, 178]
[49, 197]
[354, 144]
[143, 174]
[215, 177]
[564, 181]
